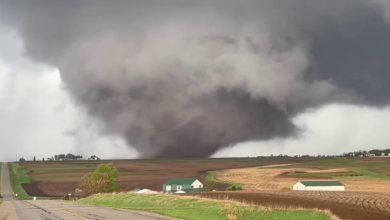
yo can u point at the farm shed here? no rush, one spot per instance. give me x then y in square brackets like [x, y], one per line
[321, 185]
[188, 185]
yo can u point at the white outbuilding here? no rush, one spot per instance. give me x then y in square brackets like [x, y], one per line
[319, 185]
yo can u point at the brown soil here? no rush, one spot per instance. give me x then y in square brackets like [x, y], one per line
[33, 189]
[261, 186]
[160, 172]
[347, 205]
[286, 175]
[384, 171]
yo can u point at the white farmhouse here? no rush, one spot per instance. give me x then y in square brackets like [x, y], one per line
[319, 185]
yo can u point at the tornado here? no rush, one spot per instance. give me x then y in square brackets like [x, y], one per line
[182, 79]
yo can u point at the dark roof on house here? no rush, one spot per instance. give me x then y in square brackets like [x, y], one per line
[322, 183]
[180, 181]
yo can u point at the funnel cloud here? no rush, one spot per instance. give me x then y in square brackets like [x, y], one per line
[186, 78]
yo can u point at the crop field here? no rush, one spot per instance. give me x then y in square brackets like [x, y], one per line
[265, 181]
[59, 178]
[346, 205]
[367, 193]
[192, 208]
[358, 174]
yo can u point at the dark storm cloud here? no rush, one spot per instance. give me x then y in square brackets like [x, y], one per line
[185, 78]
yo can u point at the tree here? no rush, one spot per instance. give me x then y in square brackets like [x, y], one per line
[34, 159]
[22, 159]
[112, 174]
[92, 185]
[210, 185]
[102, 180]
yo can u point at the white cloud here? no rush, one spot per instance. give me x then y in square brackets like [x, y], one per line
[332, 129]
[35, 113]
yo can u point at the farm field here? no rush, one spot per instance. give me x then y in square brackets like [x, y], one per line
[346, 205]
[367, 193]
[358, 174]
[193, 208]
[59, 178]
[265, 181]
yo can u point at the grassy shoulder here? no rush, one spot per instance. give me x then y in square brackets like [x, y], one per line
[211, 176]
[189, 208]
[18, 177]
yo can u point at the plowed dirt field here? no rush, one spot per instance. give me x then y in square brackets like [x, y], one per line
[60, 178]
[346, 205]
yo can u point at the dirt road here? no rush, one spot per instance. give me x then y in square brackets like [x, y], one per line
[12, 209]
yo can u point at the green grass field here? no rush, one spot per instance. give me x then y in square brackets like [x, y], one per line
[211, 177]
[18, 176]
[199, 209]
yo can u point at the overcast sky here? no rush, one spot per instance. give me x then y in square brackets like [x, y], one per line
[38, 118]
[36, 115]
[182, 79]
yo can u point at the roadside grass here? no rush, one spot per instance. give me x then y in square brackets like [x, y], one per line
[18, 177]
[211, 176]
[190, 208]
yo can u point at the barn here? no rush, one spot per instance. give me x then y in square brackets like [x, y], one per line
[188, 185]
[319, 185]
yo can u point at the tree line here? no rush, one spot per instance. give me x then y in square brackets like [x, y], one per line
[61, 157]
[365, 153]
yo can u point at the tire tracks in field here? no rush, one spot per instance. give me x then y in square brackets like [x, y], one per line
[346, 205]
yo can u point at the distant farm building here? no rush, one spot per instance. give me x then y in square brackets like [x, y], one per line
[188, 185]
[320, 185]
